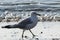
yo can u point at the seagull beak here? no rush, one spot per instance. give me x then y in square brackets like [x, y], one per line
[38, 14]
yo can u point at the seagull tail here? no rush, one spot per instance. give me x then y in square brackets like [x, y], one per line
[8, 26]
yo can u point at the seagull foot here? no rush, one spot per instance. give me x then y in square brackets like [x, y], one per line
[36, 37]
[33, 36]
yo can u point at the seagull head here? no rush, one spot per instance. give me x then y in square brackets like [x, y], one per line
[35, 13]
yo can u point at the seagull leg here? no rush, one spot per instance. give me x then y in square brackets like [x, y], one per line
[23, 33]
[32, 33]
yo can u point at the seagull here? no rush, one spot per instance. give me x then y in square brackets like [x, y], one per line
[26, 24]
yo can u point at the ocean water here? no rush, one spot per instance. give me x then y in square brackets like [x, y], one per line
[18, 6]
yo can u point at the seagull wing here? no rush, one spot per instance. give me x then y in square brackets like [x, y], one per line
[25, 22]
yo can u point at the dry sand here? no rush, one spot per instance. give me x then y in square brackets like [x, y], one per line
[50, 30]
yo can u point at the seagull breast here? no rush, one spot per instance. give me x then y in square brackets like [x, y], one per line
[33, 24]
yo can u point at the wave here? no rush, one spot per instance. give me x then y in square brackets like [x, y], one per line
[51, 3]
[29, 6]
[17, 3]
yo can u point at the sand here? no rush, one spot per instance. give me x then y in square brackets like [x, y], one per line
[49, 31]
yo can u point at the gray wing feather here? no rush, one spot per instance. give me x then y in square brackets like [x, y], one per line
[25, 22]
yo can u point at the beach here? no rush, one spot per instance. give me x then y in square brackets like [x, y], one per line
[13, 11]
[49, 31]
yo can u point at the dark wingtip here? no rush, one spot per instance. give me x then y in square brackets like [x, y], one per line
[2, 27]
[8, 26]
